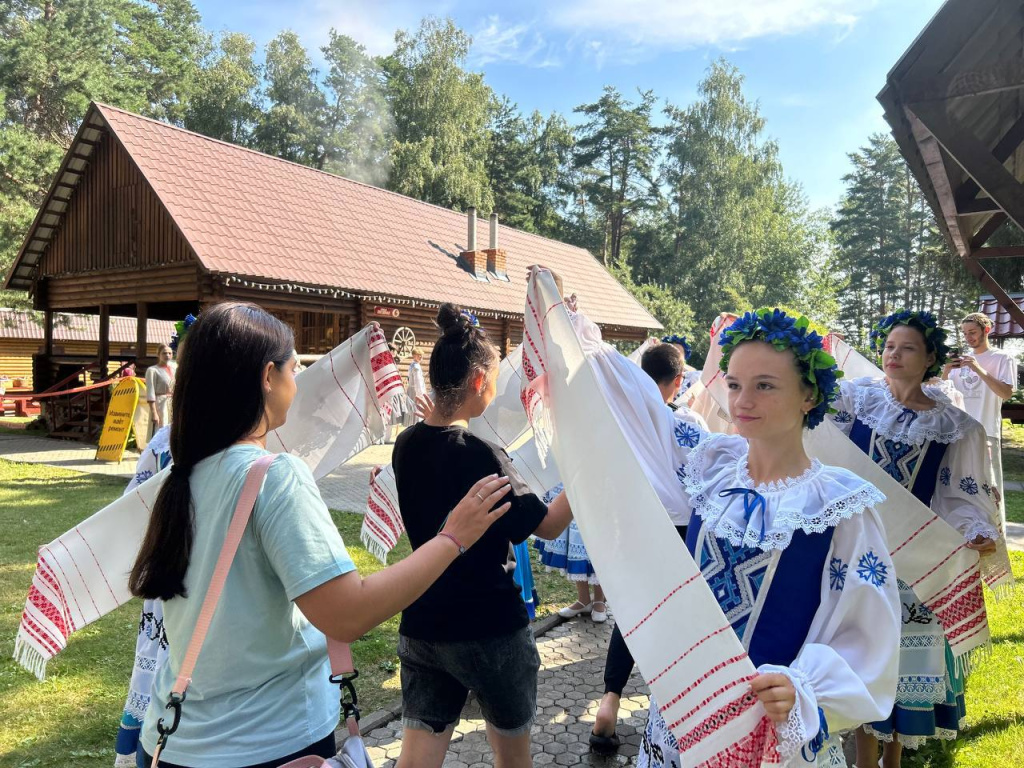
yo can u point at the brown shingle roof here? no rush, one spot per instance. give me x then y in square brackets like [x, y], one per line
[249, 214]
[1003, 326]
[18, 324]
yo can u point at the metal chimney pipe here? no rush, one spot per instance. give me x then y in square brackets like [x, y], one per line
[494, 231]
[471, 234]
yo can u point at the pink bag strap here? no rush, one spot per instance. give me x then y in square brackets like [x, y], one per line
[243, 511]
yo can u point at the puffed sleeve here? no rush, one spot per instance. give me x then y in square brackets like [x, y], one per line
[846, 673]
[964, 495]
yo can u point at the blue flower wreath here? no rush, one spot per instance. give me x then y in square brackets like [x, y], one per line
[470, 317]
[925, 322]
[681, 341]
[774, 326]
[180, 329]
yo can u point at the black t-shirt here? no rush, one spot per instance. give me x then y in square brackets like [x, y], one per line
[475, 598]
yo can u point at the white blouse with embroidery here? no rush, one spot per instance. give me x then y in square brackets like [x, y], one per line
[848, 664]
[964, 491]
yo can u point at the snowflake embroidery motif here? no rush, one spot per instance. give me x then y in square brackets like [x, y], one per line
[681, 474]
[871, 569]
[968, 486]
[843, 417]
[837, 574]
[143, 476]
[944, 476]
[687, 436]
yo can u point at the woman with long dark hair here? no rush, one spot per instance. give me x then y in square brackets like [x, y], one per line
[260, 693]
[470, 630]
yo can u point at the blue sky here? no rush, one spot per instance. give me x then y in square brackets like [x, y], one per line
[814, 66]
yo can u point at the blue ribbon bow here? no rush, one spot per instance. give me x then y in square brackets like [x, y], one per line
[751, 501]
[903, 416]
[818, 742]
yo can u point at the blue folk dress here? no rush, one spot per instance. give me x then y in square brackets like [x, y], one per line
[939, 456]
[801, 570]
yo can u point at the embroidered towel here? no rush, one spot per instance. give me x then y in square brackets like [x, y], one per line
[82, 575]
[699, 678]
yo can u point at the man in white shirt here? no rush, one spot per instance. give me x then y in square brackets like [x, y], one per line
[985, 378]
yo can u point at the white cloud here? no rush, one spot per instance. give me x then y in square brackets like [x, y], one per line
[499, 41]
[677, 24]
[372, 23]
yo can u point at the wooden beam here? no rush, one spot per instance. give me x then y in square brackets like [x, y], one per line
[976, 269]
[1008, 252]
[104, 338]
[47, 333]
[142, 313]
[1007, 76]
[986, 230]
[1005, 147]
[976, 160]
[935, 167]
[976, 206]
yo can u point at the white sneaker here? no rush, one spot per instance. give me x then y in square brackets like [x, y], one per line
[599, 617]
[572, 611]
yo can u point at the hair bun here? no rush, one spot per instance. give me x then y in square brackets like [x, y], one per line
[451, 320]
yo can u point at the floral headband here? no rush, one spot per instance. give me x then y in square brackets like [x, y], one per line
[681, 341]
[180, 329]
[783, 332]
[471, 317]
[925, 322]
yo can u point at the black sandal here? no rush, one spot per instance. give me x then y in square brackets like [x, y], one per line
[604, 745]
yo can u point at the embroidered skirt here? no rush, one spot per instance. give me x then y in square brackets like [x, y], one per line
[930, 692]
[568, 555]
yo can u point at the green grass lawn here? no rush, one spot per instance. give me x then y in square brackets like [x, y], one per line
[1015, 506]
[1013, 451]
[72, 716]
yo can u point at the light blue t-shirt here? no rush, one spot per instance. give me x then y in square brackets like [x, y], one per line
[260, 689]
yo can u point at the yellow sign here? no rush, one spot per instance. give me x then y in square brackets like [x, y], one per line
[118, 423]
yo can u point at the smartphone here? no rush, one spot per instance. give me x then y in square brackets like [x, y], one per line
[954, 355]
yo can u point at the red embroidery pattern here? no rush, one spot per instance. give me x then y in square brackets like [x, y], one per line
[913, 536]
[53, 614]
[690, 688]
[758, 747]
[659, 605]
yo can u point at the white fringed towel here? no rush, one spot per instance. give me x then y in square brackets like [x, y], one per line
[341, 406]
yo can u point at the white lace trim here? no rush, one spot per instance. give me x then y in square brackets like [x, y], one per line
[875, 405]
[913, 742]
[809, 502]
[791, 732]
[981, 528]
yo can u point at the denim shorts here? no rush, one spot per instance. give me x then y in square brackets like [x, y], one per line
[438, 676]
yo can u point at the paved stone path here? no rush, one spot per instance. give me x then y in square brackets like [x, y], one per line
[569, 688]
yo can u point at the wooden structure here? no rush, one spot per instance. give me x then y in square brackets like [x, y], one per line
[150, 221]
[955, 102]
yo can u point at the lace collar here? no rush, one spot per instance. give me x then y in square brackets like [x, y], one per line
[767, 515]
[875, 405]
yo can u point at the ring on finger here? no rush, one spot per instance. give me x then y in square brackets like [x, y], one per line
[477, 494]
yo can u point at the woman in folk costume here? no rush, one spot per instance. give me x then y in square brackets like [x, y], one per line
[937, 452]
[792, 549]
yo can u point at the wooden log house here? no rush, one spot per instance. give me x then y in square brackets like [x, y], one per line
[150, 221]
